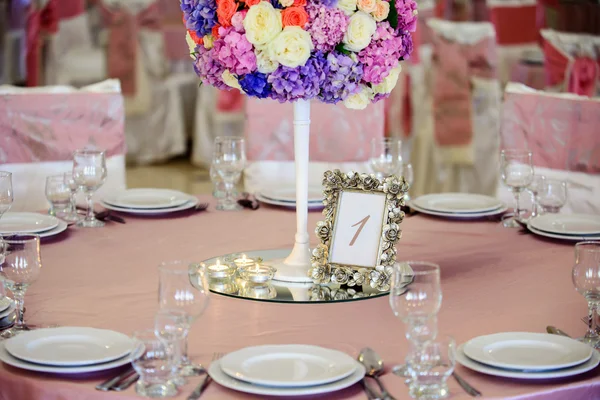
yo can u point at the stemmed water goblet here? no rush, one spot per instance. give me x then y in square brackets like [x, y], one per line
[535, 187]
[516, 168]
[586, 279]
[6, 192]
[72, 215]
[430, 367]
[89, 173]
[184, 286]
[155, 364]
[171, 326]
[386, 156]
[19, 268]
[229, 161]
[58, 195]
[553, 195]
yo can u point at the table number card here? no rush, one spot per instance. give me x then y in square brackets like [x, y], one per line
[360, 230]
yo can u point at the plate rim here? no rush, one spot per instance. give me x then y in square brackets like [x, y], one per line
[561, 237]
[55, 222]
[262, 193]
[572, 233]
[471, 350]
[9, 310]
[192, 202]
[499, 203]
[281, 348]
[458, 215]
[21, 340]
[62, 226]
[220, 377]
[291, 205]
[108, 199]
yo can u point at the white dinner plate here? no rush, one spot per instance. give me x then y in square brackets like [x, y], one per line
[26, 222]
[561, 237]
[192, 202]
[457, 203]
[458, 215]
[465, 361]
[147, 198]
[217, 374]
[8, 310]
[527, 351]
[61, 227]
[5, 302]
[288, 194]
[287, 204]
[568, 224]
[288, 365]
[6, 358]
[69, 346]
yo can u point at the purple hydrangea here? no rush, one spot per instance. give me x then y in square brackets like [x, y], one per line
[303, 82]
[234, 51]
[199, 15]
[380, 96]
[407, 42]
[382, 54]
[276, 4]
[407, 15]
[255, 84]
[326, 26]
[328, 3]
[209, 69]
[342, 77]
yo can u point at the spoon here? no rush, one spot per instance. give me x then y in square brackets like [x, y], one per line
[555, 331]
[374, 365]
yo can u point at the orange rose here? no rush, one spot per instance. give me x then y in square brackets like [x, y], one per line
[251, 3]
[294, 16]
[215, 31]
[299, 3]
[197, 39]
[225, 10]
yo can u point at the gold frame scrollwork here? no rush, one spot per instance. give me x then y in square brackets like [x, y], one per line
[322, 271]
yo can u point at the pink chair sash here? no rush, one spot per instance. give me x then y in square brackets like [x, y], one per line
[49, 127]
[561, 133]
[70, 8]
[514, 25]
[230, 101]
[454, 64]
[122, 41]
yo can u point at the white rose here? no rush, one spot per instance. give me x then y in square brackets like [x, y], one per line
[264, 63]
[230, 79]
[360, 100]
[389, 82]
[361, 28]
[209, 41]
[291, 47]
[262, 23]
[191, 44]
[347, 6]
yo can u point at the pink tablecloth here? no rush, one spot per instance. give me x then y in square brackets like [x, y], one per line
[494, 279]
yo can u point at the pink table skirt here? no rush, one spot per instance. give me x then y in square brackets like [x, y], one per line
[494, 279]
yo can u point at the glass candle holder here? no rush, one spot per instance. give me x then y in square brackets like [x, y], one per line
[257, 273]
[259, 291]
[220, 270]
[244, 261]
[225, 286]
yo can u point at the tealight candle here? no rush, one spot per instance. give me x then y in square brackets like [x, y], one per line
[243, 261]
[219, 270]
[257, 273]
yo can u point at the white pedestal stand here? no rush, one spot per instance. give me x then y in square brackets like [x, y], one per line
[295, 267]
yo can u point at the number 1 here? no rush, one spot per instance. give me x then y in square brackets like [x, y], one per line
[362, 223]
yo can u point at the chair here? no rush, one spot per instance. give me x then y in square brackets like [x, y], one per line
[339, 138]
[466, 104]
[561, 131]
[12, 59]
[41, 127]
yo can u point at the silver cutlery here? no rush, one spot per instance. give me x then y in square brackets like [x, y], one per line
[195, 395]
[110, 383]
[371, 395]
[374, 365]
[126, 383]
[555, 331]
[466, 386]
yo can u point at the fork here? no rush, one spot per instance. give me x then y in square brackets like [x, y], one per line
[466, 386]
[195, 395]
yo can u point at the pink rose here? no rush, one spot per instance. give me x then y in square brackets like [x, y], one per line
[237, 21]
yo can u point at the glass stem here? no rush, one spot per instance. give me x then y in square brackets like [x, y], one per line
[517, 194]
[19, 296]
[90, 206]
[228, 192]
[73, 205]
[183, 351]
[591, 312]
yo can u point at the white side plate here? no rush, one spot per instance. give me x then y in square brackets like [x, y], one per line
[288, 194]
[458, 215]
[217, 374]
[26, 222]
[465, 361]
[457, 202]
[69, 346]
[527, 351]
[288, 365]
[192, 202]
[287, 204]
[147, 198]
[561, 237]
[568, 224]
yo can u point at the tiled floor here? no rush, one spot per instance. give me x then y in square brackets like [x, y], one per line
[178, 174]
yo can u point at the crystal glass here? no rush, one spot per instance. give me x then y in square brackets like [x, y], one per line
[155, 364]
[409, 177]
[19, 269]
[89, 173]
[535, 187]
[184, 286]
[586, 278]
[171, 326]
[517, 173]
[6, 192]
[72, 215]
[386, 156]
[58, 194]
[553, 195]
[430, 367]
[229, 161]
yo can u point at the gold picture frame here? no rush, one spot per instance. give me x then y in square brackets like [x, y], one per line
[382, 239]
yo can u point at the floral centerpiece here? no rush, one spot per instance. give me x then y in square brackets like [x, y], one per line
[332, 50]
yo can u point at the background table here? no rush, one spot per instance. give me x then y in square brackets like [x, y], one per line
[493, 279]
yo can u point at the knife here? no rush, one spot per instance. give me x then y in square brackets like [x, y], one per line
[108, 384]
[198, 391]
[127, 382]
[555, 331]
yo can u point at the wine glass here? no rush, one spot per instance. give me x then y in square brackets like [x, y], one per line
[184, 286]
[535, 187]
[229, 160]
[516, 166]
[72, 215]
[6, 192]
[409, 177]
[58, 194]
[89, 173]
[171, 326]
[430, 367]
[152, 359]
[386, 156]
[553, 195]
[586, 278]
[19, 269]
